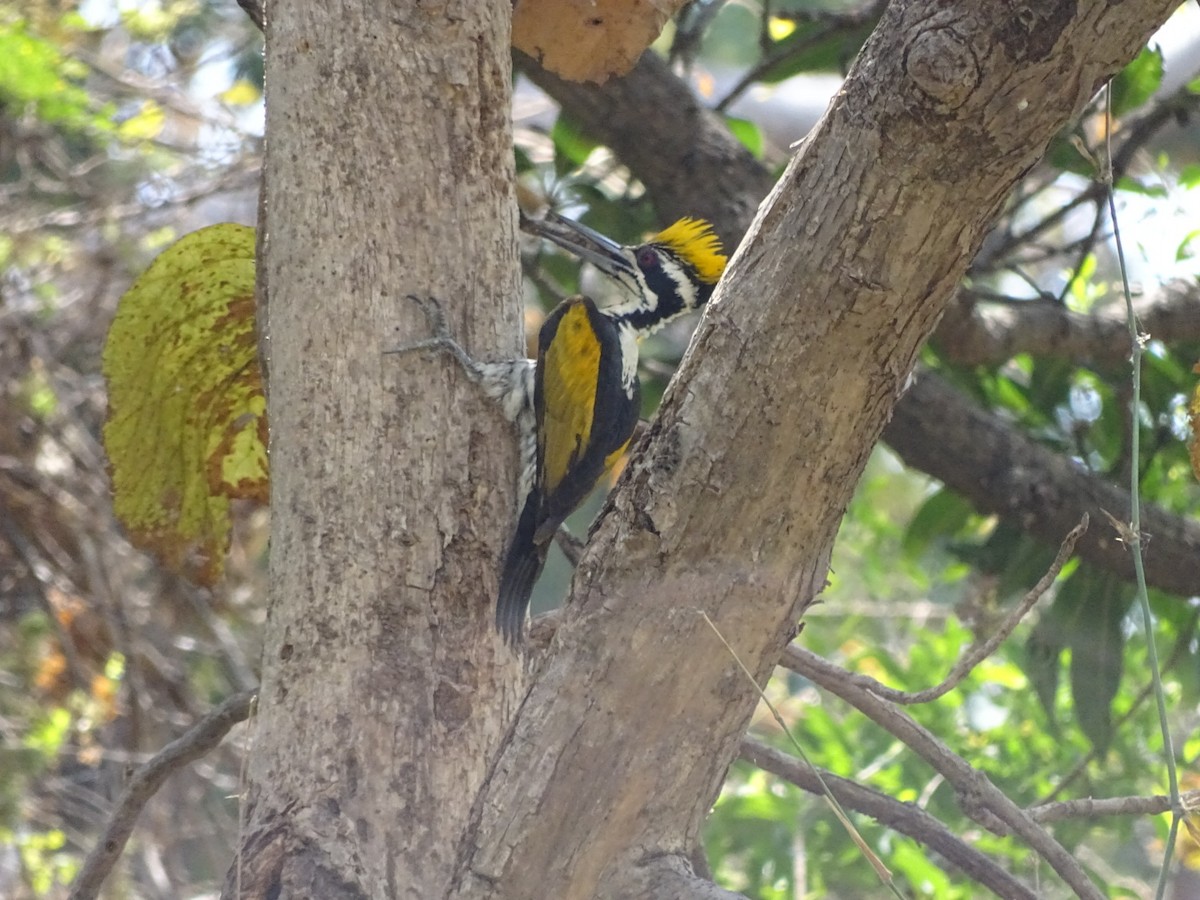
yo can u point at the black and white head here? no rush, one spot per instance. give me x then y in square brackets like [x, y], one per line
[672, 273]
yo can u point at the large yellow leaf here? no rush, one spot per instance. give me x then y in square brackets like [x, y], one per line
[187, 426]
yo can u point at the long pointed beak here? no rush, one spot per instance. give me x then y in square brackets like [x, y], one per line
[602, 252]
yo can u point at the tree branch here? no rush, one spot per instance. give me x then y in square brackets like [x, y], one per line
[1135, 135]
[981, 650]
[979, 797]
[906, 818]
[197, 741]
[732, 500]
[973, 333]
[691, 165]
[1000, 470]
[659, 128]
[1088, 808]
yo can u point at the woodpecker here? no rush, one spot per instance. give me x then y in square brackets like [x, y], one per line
[575, 407]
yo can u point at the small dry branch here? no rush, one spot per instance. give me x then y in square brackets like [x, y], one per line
[981, 650]
[978, 795]
[199, 740]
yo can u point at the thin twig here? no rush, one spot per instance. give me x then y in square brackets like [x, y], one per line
[1082, 252]
[1087, 808]
[1136, 342]
[881, 870]
[201, 738]
[237, 669]
[770, 61]
[571, 546]
[905, 818]
[1136, 136]
[978, 796]
[832, 25]
[978, 652]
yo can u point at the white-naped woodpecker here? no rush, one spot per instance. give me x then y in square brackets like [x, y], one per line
[576, 406]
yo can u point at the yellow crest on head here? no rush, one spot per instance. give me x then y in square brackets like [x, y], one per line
[695, 242]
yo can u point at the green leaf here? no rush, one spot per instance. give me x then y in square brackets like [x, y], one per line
[1086, 617]
[1185, 249]
[1064, 155]
[186, 429]
[1050, 385]
[1137, 82]
[35, 75]
[1097, 650]
[1043, 651]
[571, 146]
[942, 515]
[524, 162]
[1133, 185]
[809, 49]
[748, 134]
[1189, 175]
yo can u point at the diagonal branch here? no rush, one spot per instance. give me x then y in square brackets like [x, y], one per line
[1001, 470]
[682, 151]
[906, 818]
[733, 498]
[981, 650]
[979, 797]
[973, 333]
[199, 740]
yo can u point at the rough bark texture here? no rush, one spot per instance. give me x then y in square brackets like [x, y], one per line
[733, 499]
[385, 691]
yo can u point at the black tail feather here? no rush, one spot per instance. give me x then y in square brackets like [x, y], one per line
[522, 566]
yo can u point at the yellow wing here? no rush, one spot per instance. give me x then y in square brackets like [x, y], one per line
[570, 366]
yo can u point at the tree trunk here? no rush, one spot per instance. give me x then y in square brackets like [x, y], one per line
[732, 501]
[385, 691]
[386, 698]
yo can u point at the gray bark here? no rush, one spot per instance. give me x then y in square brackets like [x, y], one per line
[385, 692]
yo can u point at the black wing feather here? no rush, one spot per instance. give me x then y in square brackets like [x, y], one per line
[614, 417]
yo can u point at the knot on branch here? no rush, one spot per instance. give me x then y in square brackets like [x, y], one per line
[943, 66]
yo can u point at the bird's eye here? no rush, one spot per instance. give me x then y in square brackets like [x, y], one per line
[647, 258]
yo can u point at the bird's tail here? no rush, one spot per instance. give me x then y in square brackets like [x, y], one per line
[522, 566]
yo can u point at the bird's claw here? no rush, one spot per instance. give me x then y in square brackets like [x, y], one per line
[433, 314]
[437, 323]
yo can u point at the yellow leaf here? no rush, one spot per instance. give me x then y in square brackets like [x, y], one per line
[145, 124]
[778, 28]
[187, 427]
[240, 93]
